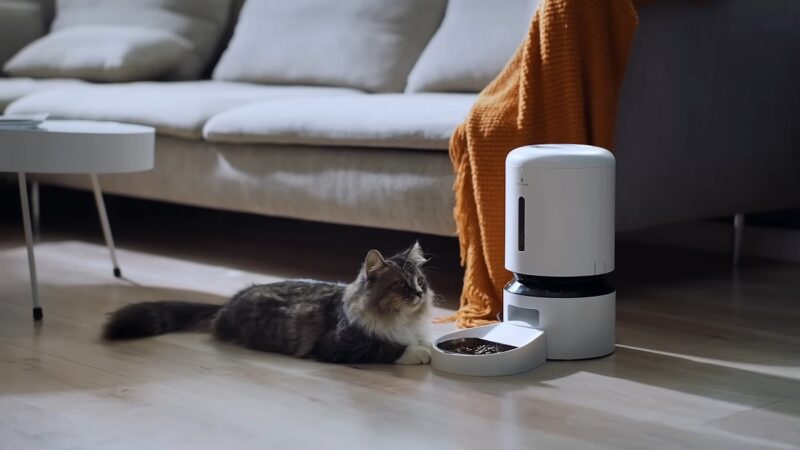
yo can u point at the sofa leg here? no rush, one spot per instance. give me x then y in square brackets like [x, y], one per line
[738, 231]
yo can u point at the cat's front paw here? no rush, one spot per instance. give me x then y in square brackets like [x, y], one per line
[415, 354]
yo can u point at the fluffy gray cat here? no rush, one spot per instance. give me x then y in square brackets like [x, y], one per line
[378, 318]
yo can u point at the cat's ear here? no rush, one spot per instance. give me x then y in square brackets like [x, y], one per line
[415, 255]
[374, 261]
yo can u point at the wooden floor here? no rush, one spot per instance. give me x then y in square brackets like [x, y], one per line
[706, 357]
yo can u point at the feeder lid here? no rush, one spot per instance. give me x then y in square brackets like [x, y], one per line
[560, 156]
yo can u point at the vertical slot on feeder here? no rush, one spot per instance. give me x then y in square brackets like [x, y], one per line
[521, 224]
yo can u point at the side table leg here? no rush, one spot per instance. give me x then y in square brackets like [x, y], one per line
[26, 222]
[101, 210]
[35, 211]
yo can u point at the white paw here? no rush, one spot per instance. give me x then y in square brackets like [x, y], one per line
[415, 354]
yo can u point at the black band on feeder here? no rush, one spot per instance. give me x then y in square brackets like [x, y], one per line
[560, 287]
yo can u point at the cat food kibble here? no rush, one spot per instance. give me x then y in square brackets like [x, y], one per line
[474, 346]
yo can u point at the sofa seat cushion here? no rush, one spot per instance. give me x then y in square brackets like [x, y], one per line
[418, 121]
[14, 88]
[177, 109]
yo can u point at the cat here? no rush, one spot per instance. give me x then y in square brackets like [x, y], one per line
[378, 318]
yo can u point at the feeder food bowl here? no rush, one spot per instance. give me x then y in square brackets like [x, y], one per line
[522, 349]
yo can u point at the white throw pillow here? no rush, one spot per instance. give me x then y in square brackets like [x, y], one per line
[364, 44]
[474, 43]
[109, 54]
[201, 22]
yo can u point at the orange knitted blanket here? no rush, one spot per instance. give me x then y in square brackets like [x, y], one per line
[560, 87]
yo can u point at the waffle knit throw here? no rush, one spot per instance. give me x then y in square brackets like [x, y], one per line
[561, 86]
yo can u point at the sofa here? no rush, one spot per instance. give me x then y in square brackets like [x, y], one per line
[341, 112]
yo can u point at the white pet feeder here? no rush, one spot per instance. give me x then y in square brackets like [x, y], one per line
[560, 247]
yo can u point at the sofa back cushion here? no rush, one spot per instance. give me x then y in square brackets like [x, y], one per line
[476, 39]
[364, 44]
[200, 22]
[101, 53]
[21, 22]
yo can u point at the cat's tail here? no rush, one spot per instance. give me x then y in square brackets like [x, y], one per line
[154, 318]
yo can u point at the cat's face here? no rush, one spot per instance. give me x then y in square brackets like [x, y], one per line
[397, 284]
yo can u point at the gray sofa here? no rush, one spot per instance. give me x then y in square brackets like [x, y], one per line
[357, 134]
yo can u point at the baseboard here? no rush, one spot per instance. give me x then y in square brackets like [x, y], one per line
[758, 241]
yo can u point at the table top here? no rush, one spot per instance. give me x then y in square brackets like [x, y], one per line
[88, 127]
[77, 146]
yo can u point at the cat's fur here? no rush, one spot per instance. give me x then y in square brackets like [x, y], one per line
[378, 318]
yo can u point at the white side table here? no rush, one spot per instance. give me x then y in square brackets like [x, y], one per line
[67, 146]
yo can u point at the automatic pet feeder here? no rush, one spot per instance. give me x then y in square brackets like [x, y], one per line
[560, 246]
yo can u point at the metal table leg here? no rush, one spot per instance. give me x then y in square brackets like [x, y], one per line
[26, 222]
[101, 210]
[35, 211]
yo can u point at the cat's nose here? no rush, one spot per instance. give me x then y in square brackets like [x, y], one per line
[418, 293]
